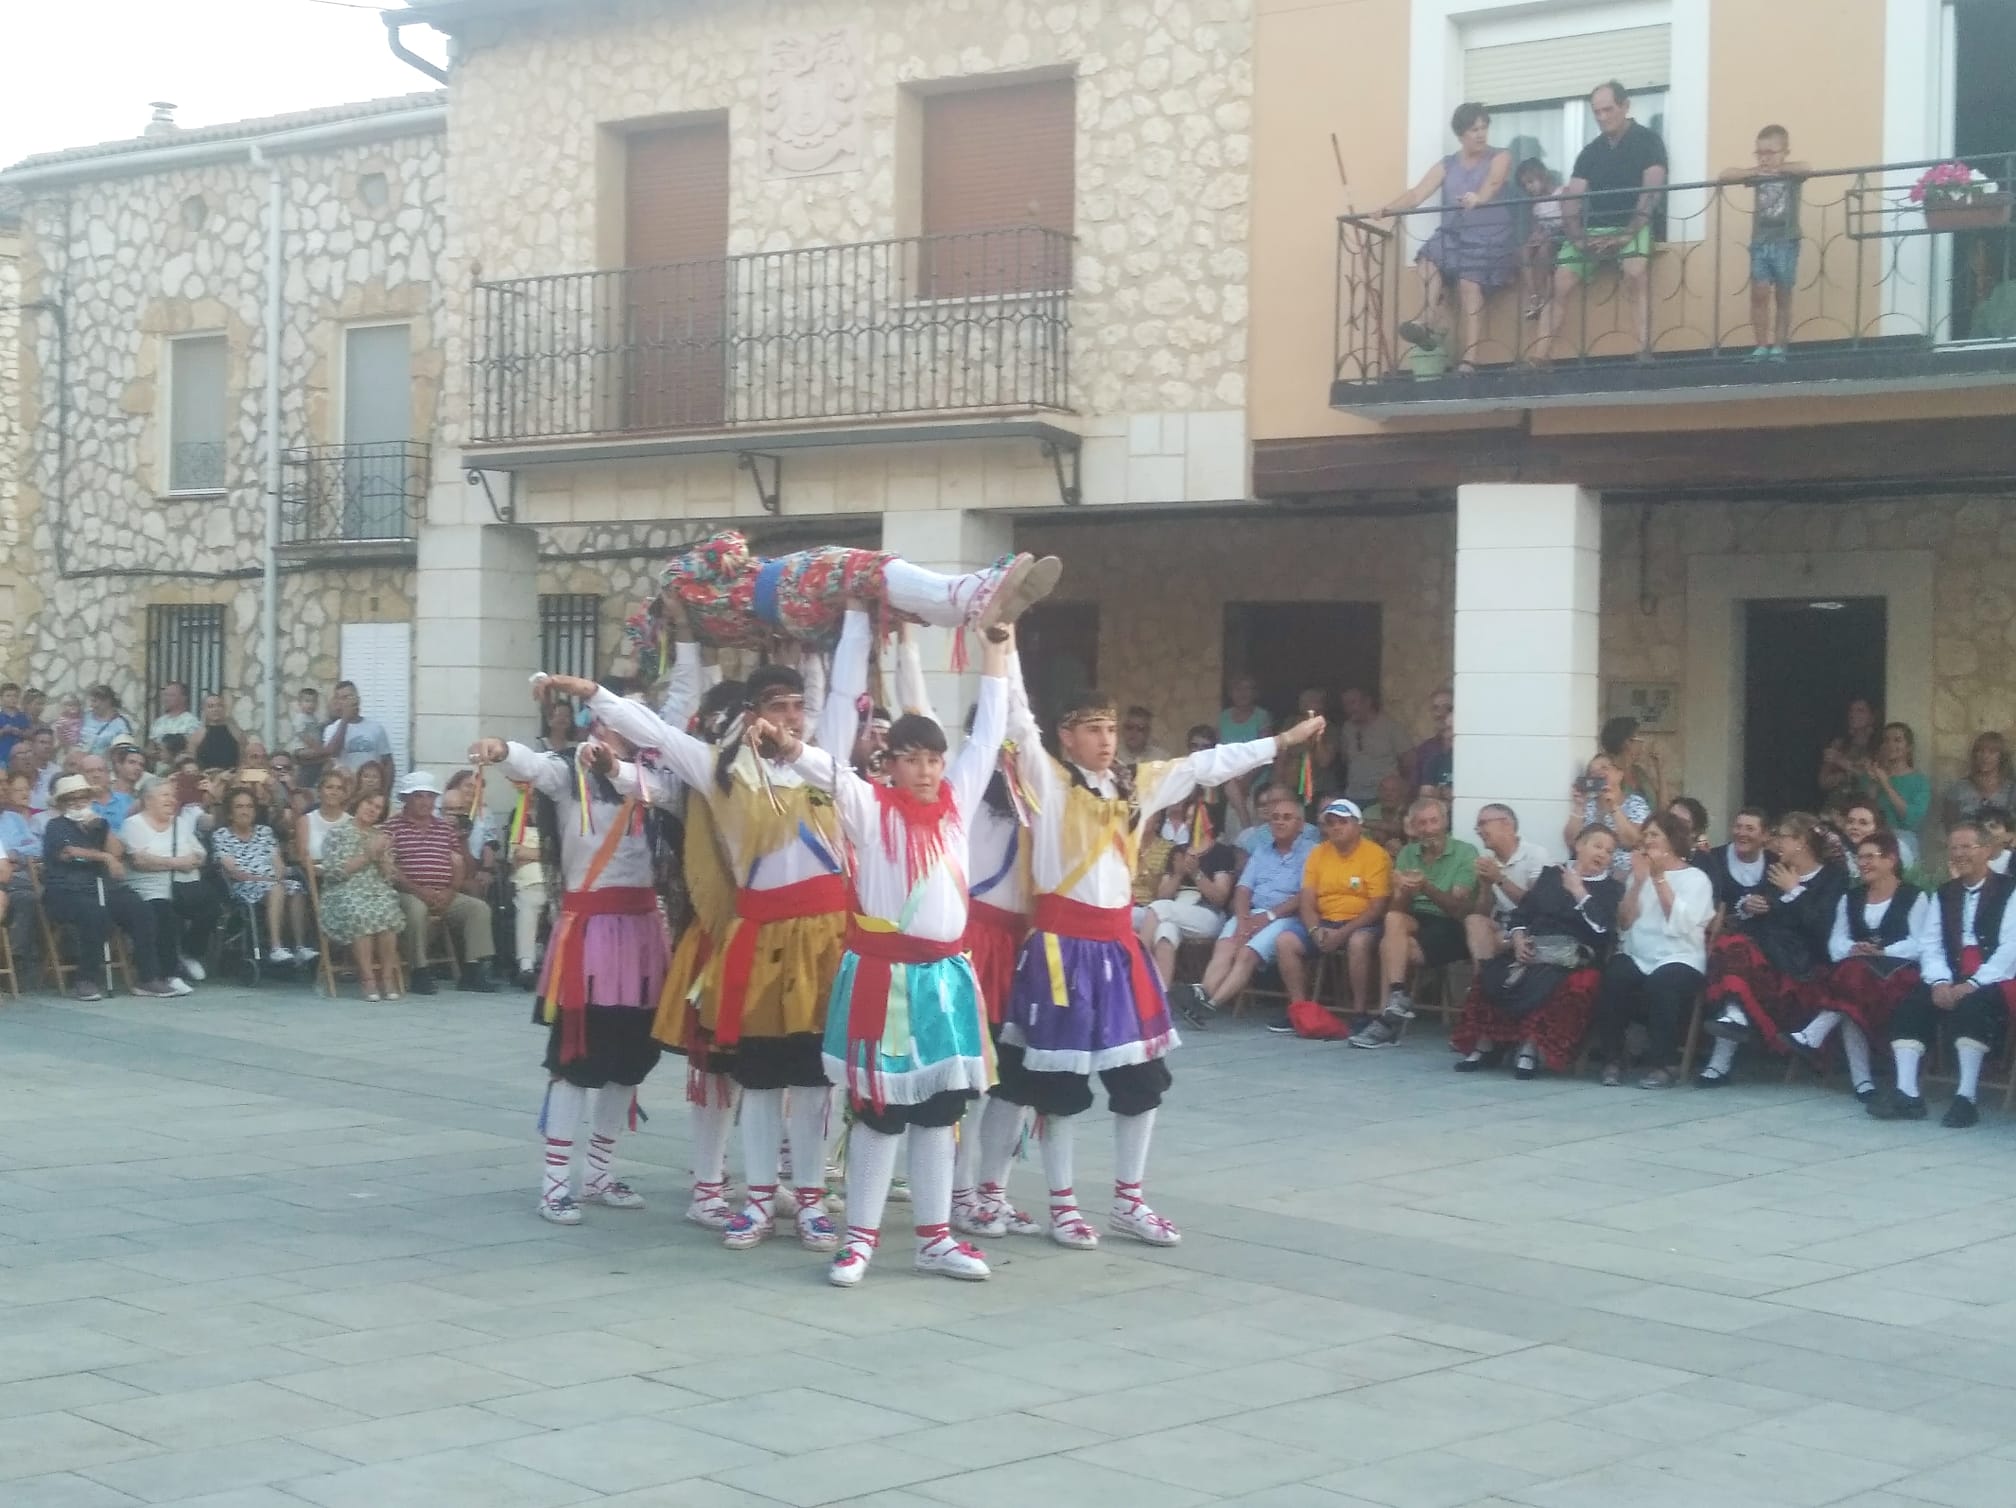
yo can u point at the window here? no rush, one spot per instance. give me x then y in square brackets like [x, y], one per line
[1538, 91]
[999, 187]
[197, 367]
[185, 643]
[376, 475]
[569, 633]
[373, 190]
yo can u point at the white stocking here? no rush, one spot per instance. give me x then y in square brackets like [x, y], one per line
[1723, 1057]
[711, 1124]
[566, 1104]
[1908, 1056]
[1855, 1043]
[1130, 1147]
[1819, 1028]
[611, 1112]
[966, 1153]
[871, 1163]
[762, 1135]
[931, 1181]
[937, 599]
[1060, 1135]
[1000, 1131]
[1972, 1055]
[805, 1118]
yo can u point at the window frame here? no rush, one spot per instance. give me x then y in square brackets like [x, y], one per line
[166, 411]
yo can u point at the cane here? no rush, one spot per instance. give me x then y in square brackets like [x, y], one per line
[106, 945]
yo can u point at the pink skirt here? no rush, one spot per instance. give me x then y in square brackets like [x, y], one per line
[622, 961]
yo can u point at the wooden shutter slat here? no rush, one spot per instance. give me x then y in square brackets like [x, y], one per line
[1000, 156]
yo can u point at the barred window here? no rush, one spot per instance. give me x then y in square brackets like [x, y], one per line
[569, 633]
[185, 643]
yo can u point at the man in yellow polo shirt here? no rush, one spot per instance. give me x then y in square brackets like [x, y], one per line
[1346, 884]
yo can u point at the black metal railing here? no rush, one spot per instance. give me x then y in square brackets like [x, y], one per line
[360, 493]
[916, 325]
[1875, 276]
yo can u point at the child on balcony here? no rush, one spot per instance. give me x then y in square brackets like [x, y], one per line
[1542, 247]
[1774, 240]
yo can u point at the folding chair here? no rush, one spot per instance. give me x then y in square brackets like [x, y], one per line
[328, 971]
[54, 969]
[7, 969]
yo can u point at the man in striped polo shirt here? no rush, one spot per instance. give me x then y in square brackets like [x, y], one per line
[429, 862]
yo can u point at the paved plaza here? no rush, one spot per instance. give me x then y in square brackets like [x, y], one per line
[267, 1250]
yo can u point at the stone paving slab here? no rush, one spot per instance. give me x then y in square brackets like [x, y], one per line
[264, 1250]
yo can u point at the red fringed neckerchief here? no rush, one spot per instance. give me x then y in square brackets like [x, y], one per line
[922, 829]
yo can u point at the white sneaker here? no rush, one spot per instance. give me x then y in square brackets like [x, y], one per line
[178, 986]
[280, 955]
[616, 1194]
[952, 1259]
[306, 954]
[561, 1210]
[1131, 1216]
[191, 969]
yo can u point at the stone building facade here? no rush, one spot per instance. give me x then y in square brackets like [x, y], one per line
[11, 564]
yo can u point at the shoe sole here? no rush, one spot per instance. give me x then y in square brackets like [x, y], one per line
[605, 1204]
[1370, 1046]
[924, 1271]
[1026, 582]
[552, 1219]
[1727, 1031]
[719, 1227]
[749, 1242]
[1135, 1235]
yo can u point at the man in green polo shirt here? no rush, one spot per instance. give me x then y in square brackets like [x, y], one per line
[1434, 885]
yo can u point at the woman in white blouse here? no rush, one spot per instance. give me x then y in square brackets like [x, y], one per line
[165, 860]
[1661, 960]
[1878, 935]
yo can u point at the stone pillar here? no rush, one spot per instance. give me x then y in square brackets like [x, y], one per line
[947, 540]
[475, 640]
[1528, 560]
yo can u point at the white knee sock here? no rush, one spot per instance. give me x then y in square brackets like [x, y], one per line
[966, 1152]
[566, 1104]
[836, 1126]
[1723, 1056]
[1972, 1055]
[1818, 1030]
[937, 599]
[1060, 1135]
[931, 1182]
[805, 1119]
[1130, 1147]
[611, 1112]
[871, 1163]
[1908, 1055]
[1734, 1012]
[711, 1124]
[1000, 1132]
[762, 1137]
[1855, 1043]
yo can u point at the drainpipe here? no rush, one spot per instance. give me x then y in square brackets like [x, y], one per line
[269, 627]
[393, 26]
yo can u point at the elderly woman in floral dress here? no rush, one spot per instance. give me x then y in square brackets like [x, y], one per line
[359, 905]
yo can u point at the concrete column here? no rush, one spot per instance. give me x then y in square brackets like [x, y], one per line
[1528, 562]
[475, 639]
[951, 541]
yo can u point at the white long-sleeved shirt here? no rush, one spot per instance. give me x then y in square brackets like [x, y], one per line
[550, 775]
[1841, 942]
[690, 680]
[1656, 937]
[1932, 965]
[1109, 882]
[692, 761]
[882, 881]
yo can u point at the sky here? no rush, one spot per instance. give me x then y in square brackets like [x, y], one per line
[83, 71]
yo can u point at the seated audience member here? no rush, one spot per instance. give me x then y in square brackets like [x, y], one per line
[1507, 866]
[429, 861]
[21, 845]
[164, 861]
[1878, 935]
[1253, 839]
[359, 906]
[1347, 883]
[1137, 740]
[1998, 829]
[1434, 883]
[1373, 746]
[1662, 954]
[222, 741]
[249, 857]
[1193, 890]
[1431, 766]
[1266, 903]
[1541, 989]
[15, 722]
[1614, 790]
[127, 763]
[1695, 815]
[81, 870]
[1386, 818]
[1735, 870]
[97, 770]
[1966, 960]
[1859, 818]
[1765, 979]
[1902, 792]
[48, 766]
[1314, 772]
[528, 902]
[1990, 780]
[1239, 721]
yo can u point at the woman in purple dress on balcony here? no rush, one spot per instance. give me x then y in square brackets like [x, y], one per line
[1473, 245]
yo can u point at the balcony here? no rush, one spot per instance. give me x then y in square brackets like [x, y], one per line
[922, 326]
[1888, 295]
[357, 495]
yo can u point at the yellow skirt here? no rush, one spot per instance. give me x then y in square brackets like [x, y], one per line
[677, 1023]
[789, 980]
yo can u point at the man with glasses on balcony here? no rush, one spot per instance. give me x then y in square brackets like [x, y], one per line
[1613, 210]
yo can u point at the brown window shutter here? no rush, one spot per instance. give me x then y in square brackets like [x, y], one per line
[995, 159]
[676, 293]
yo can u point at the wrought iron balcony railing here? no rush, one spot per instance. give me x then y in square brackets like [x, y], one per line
[917, 325]
[1884, 289]
[372, 492]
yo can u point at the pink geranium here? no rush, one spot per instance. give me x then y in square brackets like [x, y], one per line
[1948, 183]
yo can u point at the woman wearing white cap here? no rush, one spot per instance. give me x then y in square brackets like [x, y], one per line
[80, 856]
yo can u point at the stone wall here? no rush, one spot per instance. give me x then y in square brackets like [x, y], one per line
[139, 260]
[10, 442]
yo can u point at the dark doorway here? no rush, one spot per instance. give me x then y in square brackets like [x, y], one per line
[1060, 654]
[1289, 646]
[1804, 661]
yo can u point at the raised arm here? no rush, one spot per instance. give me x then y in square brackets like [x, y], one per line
[687, 683]
[839, 716]
[1039, 772]
[860, 812]
[544, 772]
[1215, 766]
[687, 757]
[973, 765]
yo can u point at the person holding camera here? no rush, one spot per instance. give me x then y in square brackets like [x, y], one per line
[1619, 789]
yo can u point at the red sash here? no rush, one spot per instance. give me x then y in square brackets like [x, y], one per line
[1013, 922]
[1970, 961]
[1069, 918]
[616, 900]
[822, 895]
[868, 1002]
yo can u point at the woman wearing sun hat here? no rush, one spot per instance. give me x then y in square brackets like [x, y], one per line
[82, 865]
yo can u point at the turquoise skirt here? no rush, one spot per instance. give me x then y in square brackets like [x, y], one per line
[934, 1035]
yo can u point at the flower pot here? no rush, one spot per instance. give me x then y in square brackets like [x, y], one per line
[1984, 213]
[1426, 362]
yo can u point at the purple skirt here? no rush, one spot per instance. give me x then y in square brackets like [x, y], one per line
[1098, 1025]
[621, 961]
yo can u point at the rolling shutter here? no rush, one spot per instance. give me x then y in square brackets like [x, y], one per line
[999, 157]
[675, 241]
[1639, 57]
[676, 194]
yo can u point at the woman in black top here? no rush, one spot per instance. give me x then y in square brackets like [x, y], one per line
[1769, 979]
[81, 868]
[222, 743]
